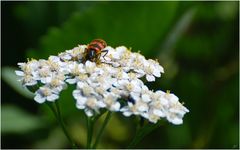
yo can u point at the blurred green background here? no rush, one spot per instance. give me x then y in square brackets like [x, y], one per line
[196, 42]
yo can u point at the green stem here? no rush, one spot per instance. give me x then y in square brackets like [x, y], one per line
[53, 110]
[89, 131]
[142, 132]
[102, 129]
[57, 115]
[63, 126]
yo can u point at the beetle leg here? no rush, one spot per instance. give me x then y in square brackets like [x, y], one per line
[85, 55]
[104, 51]
[98, 58]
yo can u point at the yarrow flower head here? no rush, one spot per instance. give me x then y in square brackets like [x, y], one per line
[111, 82]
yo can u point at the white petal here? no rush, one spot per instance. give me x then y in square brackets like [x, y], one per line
[115, 55]
[33, 82]
[176, 111]
[121, 49]
[140, 75]
[90, 64]
[81, 84]
[160, 68]
[48, 79]
[43, 80]
[150, 78]
[144, 87]
[80, 106]
[71, 81]
[142, 108]
[125, 75]
[81, 100]
[115, 64]
[101, 104]
[146, 98]
[67, 57]
[185, 109]
[52, 97]
[173, 98]
[164, 101]
[137, 83]
[19, 73]
[124, 109]
[137, 89]
[115, 107]
[158, 113]
[57, 89]
[139, 71]
[21, 64]
[160, 92]
[38, 98]
[123, 82]
[76, 93]
[64, 86]
[127, 113]
[54, 58]
[88, 112]
[145, 115]
[36, 75]
[135, 96]
[130, 104]
[175, 120]
[153, 119]
[156, 73]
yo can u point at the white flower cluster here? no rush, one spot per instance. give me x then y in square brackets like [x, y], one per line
[113, 84]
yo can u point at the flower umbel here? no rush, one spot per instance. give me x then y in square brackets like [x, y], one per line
[103, 85]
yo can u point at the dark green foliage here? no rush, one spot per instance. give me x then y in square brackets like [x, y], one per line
[196, 42]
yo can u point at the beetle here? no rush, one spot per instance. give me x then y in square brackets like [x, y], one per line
[95, 49]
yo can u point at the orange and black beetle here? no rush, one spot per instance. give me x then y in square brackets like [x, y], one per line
[94, 50]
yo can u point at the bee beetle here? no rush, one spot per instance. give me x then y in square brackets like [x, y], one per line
[94, 50]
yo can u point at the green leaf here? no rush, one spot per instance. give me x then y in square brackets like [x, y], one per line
[9, 76]
[139, 25]
[15, 120]
[55, 140]
[142, 132]
[166, 52]
[177, 31]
